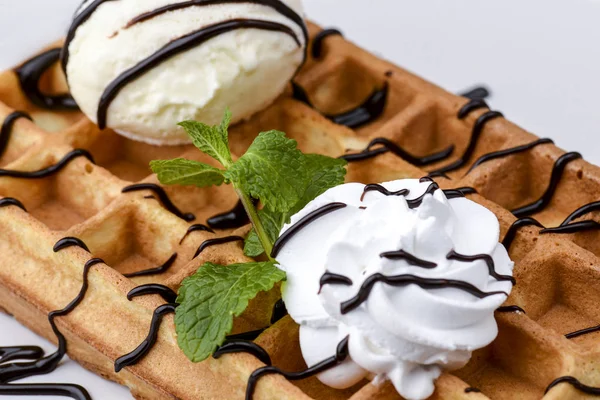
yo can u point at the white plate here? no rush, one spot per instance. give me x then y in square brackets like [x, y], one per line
[540, 58]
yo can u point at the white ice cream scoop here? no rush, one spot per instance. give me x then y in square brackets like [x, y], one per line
[141, 66]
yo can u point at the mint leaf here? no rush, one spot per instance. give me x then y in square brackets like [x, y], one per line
[324, 173]
[272, 170]
[210, 299]
[272, 222]
[186, 172]
[212, 140]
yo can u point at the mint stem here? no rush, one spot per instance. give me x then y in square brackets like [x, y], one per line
[256, 222]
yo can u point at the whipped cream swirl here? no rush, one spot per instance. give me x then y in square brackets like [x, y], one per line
[408, 332]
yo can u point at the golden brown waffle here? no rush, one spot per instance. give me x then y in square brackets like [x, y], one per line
[558, 278]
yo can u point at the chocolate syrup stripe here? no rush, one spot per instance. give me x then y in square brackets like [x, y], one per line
[44, 365]
[29, 75]
[7, 127]
[154, 271]
[179, 46]
[472, 105]
[510, 309]
[163, 291]
[409, 258]
[140, 352]
[306, 220]
[252, 348]
[9, 201]
[581, 211]
[407, 279]
[374, 187]
[489, 261]
[575, 383]
[476, 133]
[476, 93]
[317, 45]
[507, 152]
[557, 172]
[388, 146]
[195, 228]
[49, 171]
[514, 228]
[70, 241]
[582, 332]
[217, 241]
[236, 218]
[163, 197]
[371, 109]
[277, 5]
[329, 278]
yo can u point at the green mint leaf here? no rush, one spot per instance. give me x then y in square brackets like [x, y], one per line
[212, 140]
[210, 299]
[272, 222]
[224, 127]
[272, 170]
[324, 173]
[180, 171]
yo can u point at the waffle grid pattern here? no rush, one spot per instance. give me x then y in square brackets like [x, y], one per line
[558, 275]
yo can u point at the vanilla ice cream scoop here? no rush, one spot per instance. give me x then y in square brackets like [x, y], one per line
[141, 66]
[409, 273]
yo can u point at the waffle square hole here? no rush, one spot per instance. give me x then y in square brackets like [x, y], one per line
[128, 159]
[571, 281]
[65, 199]
[132, 237]
[347, 84]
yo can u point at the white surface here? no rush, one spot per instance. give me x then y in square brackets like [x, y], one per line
[539, 57]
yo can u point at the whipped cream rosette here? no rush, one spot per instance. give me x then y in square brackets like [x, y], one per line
[411, 277]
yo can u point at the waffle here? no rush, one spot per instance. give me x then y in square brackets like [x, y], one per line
[540, 351]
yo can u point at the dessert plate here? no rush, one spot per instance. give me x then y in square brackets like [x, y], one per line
[540, 76]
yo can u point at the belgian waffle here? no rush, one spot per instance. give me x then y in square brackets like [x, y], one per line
[70, 231]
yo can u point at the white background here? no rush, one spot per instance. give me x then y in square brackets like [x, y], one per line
[540, 58]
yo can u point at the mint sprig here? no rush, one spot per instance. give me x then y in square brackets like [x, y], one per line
[273, 171]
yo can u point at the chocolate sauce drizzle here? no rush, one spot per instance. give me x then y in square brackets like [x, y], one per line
[49, 171]
[476, 93]
[153, 288]
[340, 355]
[306, 220]
[487, 259]
[514, 228]
[510, 309]
[388, 146]
[438, 175]
[568, 226]
[472, 105]
[557, 171]
[154, 271]
[409, 258]
[329, 278]
[365, 113]
[317, 45]
[506, 152]
[243, 346]
[575, 383]
[277, 5]
[414, 203]
[7, 126]
[140, 352]
[216, 241]
[67, 242]
[43, 365]
[9, 201]
[163, 197]
[407, 279]
[480, 123]
[235, 218]
[29, 77]
[472, 390]
[374, 187]
[195, 228]
[176, 47]
[459, 192]
[583, 332]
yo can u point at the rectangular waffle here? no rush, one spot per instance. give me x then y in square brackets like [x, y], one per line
[557, 273]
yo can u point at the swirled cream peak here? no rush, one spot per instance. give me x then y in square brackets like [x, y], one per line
[411, 310]
[141, 66]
